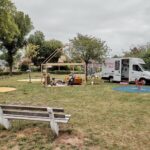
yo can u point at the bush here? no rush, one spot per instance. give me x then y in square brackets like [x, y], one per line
[24, 67]
[60, 72]
[62, 68]
[65, 72]
[35, 69]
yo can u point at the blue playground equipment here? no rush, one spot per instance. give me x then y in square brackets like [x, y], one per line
[133, 89]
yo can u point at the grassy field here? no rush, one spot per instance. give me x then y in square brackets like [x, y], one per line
[101, 118]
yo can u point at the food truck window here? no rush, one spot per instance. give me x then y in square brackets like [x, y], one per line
[136, 68]
[117, 65]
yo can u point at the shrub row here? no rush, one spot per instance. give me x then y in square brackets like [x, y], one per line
[7, 73]
[65, 72]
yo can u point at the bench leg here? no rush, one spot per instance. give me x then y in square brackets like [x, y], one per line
[53, 124]
[54, 127]
[3, 121]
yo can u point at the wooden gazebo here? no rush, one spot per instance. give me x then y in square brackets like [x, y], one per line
[46, 64]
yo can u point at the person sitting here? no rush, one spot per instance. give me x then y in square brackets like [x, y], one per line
[46, 79]
[53, 83]
[71, 79]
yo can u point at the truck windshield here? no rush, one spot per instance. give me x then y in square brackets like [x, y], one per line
[144, 67]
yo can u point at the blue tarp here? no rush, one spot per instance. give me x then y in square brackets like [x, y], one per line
[133, 89]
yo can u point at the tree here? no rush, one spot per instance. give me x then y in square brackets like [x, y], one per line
[142, 51]
[115, 56]
[17, 58]
[37, 38]
[31, 51]
[49, 47]
[14, 29]
[136, 51]
[45, 47]
[8, 27]
[89, 48]
[146, 57]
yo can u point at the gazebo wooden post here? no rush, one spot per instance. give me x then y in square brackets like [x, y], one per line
[85, 72]
[41, 72]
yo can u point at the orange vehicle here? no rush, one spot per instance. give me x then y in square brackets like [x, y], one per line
[77, 80]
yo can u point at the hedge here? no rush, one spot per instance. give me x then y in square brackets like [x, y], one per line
[7, 73]
[65, 72]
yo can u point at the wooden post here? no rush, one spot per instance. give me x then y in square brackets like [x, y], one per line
[85, 72]
[46, 78]
[29, 73]
[41, 72]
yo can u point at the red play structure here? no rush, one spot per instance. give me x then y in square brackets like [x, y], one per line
[139, 84]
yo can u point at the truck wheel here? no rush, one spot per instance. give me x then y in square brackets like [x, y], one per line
[110, 79]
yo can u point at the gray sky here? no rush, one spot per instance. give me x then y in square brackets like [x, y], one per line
[121, 23]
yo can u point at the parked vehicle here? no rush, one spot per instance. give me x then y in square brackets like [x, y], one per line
[125, 69]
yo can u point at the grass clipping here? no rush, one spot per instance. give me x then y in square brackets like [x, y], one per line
[7, 89]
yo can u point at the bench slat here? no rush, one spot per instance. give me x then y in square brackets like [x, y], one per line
[33, 108]
[46, 119]
[31, 113]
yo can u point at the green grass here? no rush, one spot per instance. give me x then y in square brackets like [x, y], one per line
[101, 118]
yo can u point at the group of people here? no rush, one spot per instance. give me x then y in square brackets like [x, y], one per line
[48, 81]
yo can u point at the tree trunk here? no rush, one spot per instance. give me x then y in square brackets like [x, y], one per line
[10, 62]
[10, 69]
[29, 73]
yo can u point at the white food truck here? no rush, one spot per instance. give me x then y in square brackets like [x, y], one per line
[125, 69]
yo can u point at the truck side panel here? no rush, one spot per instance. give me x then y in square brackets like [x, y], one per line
[108, 68]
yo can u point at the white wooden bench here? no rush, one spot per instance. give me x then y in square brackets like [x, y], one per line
[14, 112]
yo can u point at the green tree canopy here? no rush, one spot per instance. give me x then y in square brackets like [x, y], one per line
[49, 47]
[8, 28]
[15, 25]
[142, 51]
[136, 51]
[37, 38]
[89, 48]
[31, 51]
[45, 48]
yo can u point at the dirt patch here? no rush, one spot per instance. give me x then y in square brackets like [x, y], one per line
[27, 132]
[70, 140]
[6, 89]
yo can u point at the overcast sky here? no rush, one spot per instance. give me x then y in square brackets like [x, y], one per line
[121, 23]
